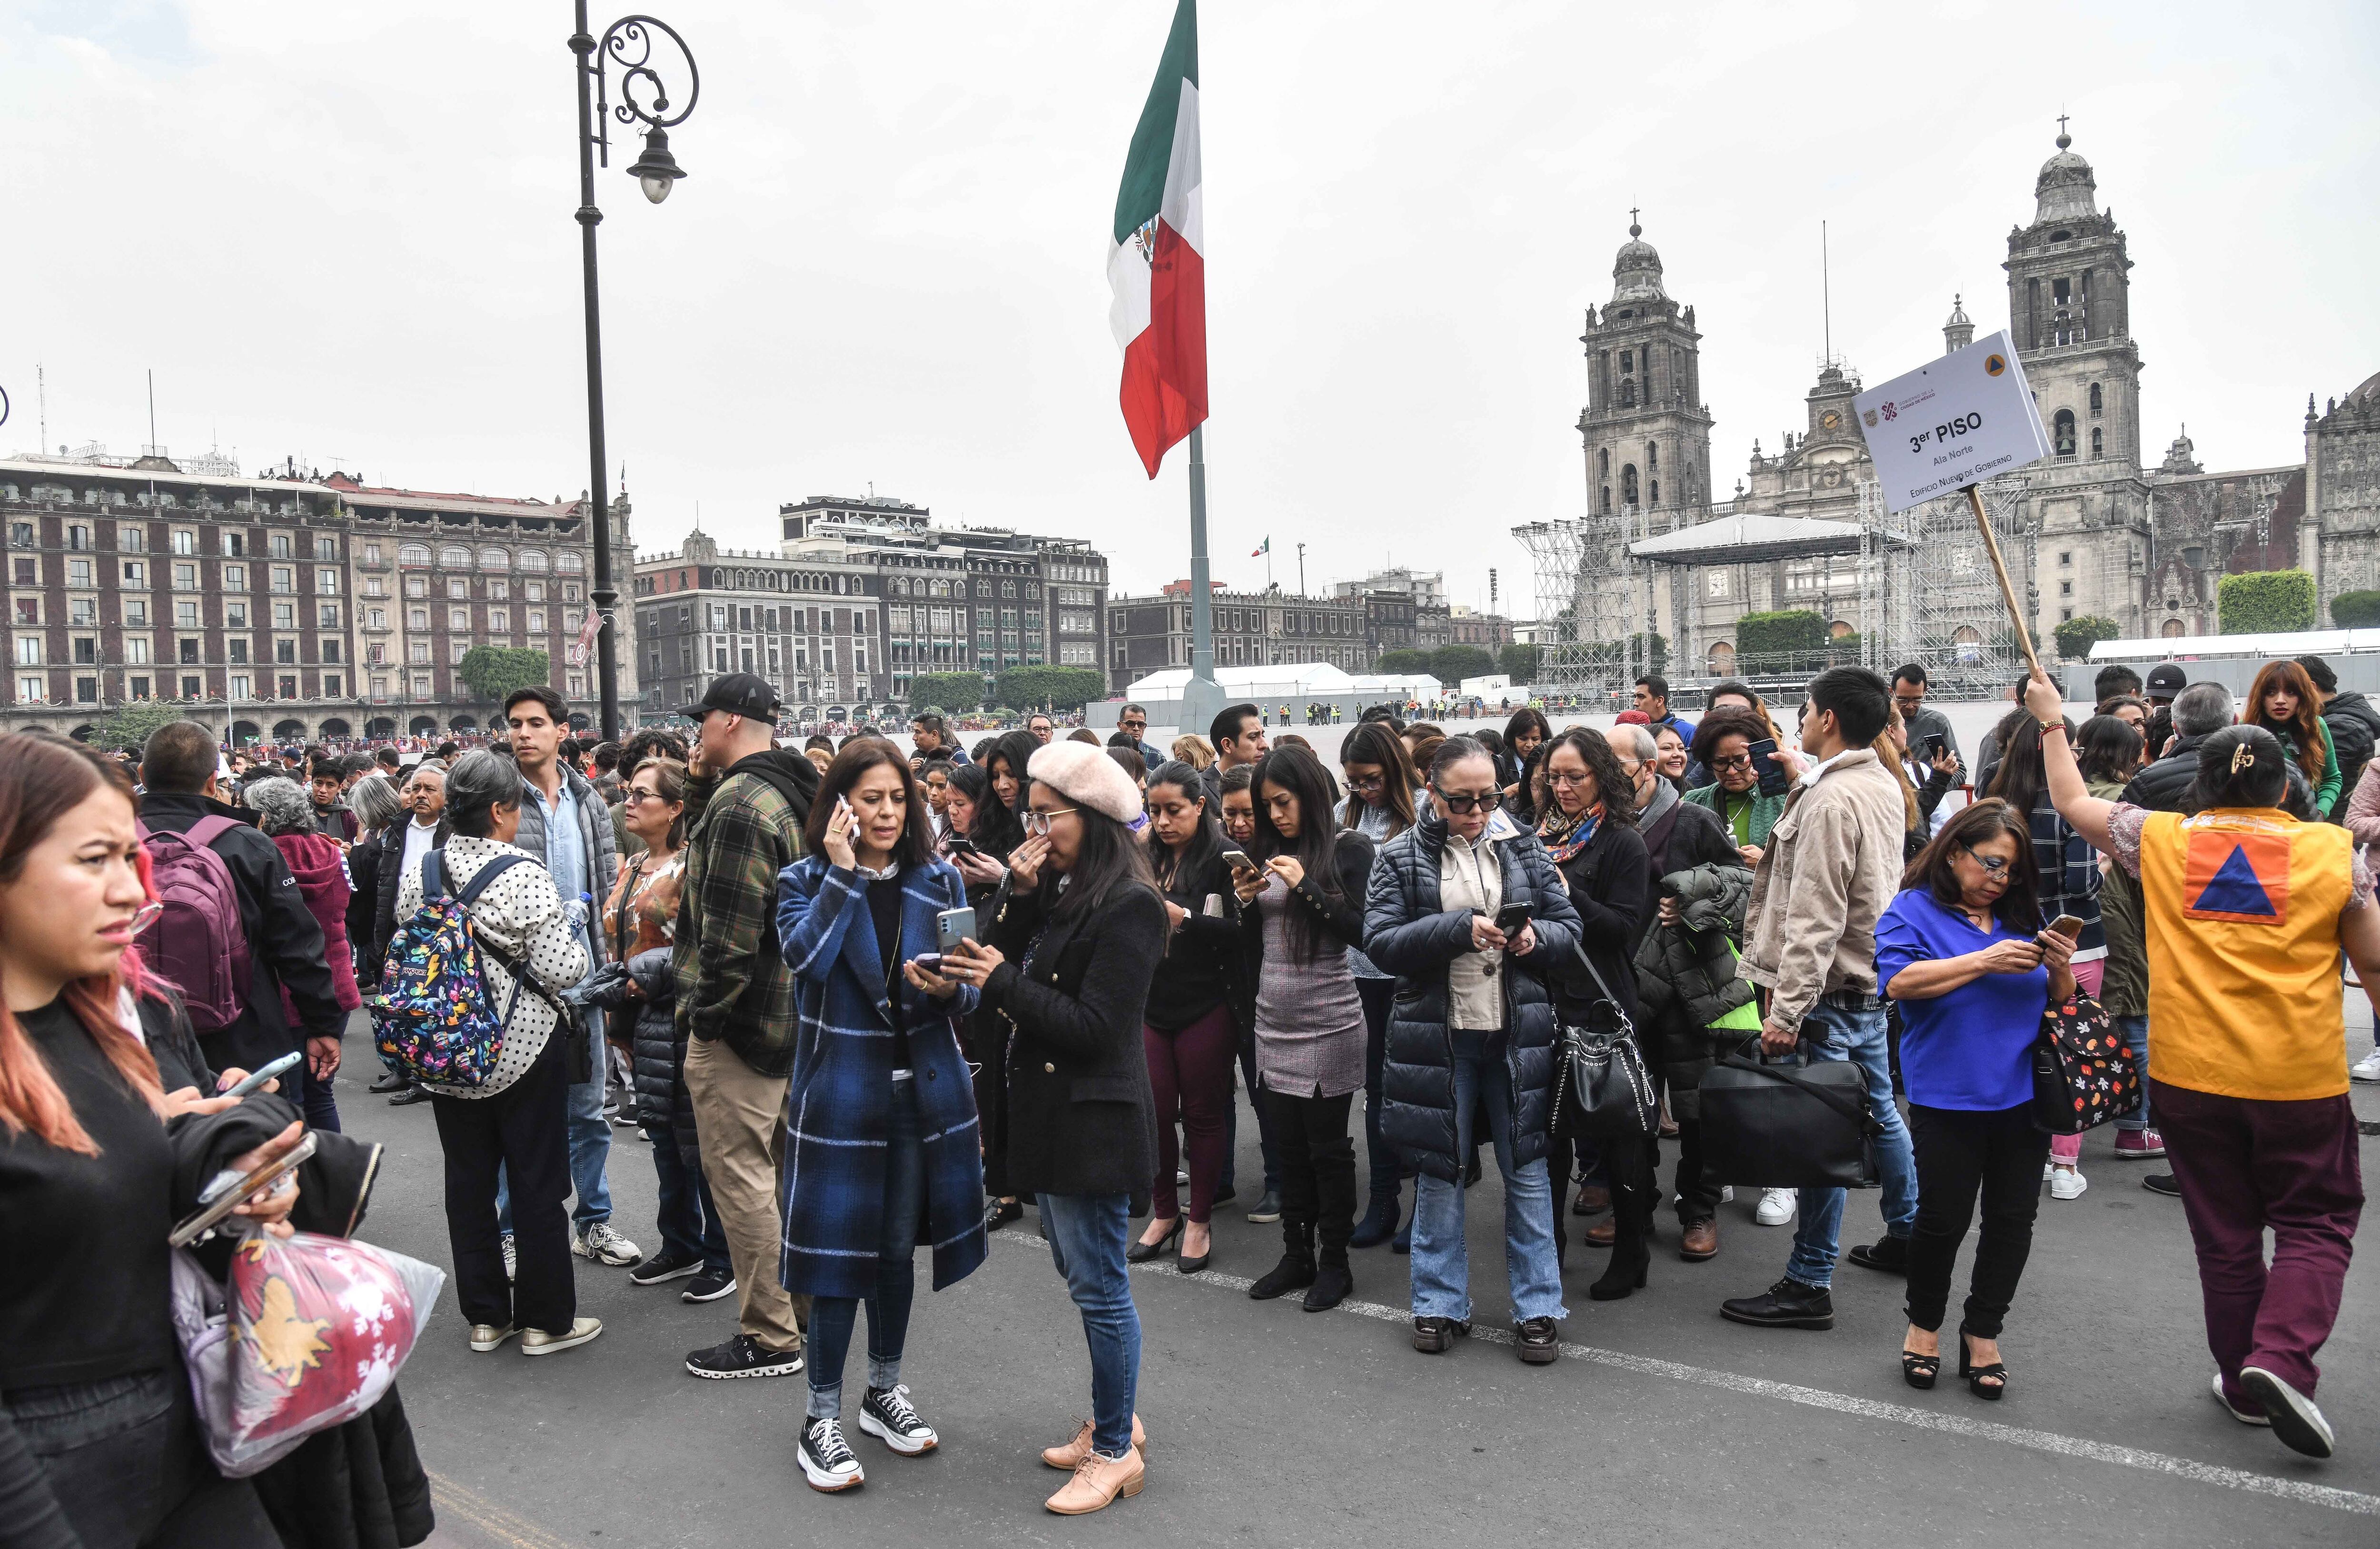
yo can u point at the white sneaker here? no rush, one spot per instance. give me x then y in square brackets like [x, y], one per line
[1725, 1193]
[1776, 1206]
[603, 1245]
[2067, 1183]
[512, 1257]
[2367, 1068]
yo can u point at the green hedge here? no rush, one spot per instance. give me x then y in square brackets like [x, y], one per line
[2355, 610]
[1520, 664]
[1451, 664]
[2076, 636]
[1778, 634]
[2266, 602]
[1056, 689]
[494, 673]
[957, 693]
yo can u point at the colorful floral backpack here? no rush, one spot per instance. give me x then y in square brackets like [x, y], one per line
[436, 1017]
[2083, 1073]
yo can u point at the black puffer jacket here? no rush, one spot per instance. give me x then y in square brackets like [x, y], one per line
[1686, 976]
[657, 1050]
[2355, 729]
[1408, 935]
[2163, 784]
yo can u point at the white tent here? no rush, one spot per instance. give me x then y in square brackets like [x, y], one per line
[1396, 686]
[1289, 680]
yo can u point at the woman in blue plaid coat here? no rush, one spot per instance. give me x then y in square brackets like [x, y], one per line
[882, 1146]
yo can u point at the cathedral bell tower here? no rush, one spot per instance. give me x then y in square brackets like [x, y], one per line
[1645, 429]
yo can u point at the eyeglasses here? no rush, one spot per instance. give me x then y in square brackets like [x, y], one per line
[1463, 803]
[146, 915]
[1367, 783]
[1036, 822]
[1560, 779]
[1992, 864]
[1740, 761]
[632, 794]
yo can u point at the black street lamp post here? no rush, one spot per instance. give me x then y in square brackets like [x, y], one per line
[628, 43]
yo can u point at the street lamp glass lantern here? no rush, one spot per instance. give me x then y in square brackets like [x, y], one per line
[656, 169]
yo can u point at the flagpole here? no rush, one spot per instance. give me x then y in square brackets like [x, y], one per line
[1202, 697]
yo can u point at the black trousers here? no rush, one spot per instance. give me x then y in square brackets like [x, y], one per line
[1697, 1194]
[1317, 1169]
[1961, 1152]
[521, 1129]
[127, 1465]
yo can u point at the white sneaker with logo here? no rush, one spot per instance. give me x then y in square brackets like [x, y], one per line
[2067, 1183]
[1776, 1206]
[2367, 1068]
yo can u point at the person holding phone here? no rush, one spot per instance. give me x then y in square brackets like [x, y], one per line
[978, 830]
[882, 1146]
[1747, 792]
[111, 1453]
[1303, 909]
[1962, 950]
[1384, 798]
[1237, 806]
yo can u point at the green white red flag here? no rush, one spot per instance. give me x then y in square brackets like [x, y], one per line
[1156, 267]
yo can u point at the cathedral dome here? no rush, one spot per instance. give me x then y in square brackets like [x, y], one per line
[1637, 271]
[2065, 188]
[2369, 393]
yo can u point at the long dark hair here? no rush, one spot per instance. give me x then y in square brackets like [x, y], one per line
[1206, 840]
[860, 755]
[2107, 749]
[2018, 909]
[1316, 845]
[1527, 719]
[2021, 780]
[994, 829]
[1016, 749]
[1612, 787]
[1373, 743]
[2304, 728]
[2260, 778]
[1109, 860]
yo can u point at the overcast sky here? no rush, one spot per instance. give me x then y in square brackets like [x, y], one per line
[343, 232]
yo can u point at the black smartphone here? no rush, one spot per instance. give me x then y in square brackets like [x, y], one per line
[1774, 781]
[929, 962]
[958, 847]
[1511, 917]
[952, 926]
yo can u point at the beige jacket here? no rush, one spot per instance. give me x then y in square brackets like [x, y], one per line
[1832, 864]
[1470, 876]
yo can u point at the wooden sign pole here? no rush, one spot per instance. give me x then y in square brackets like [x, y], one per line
[2008, 592]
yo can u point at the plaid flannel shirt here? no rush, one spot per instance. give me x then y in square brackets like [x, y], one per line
[733, 984]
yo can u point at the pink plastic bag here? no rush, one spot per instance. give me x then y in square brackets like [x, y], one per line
[308, 1333]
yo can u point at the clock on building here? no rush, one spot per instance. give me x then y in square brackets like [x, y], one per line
[1830, 421]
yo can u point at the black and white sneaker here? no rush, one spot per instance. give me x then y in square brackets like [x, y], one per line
[663, 1267]
[827, 1460]
[709, 1286]
[2292, 1415]
[744, 1356]
[886, 1415]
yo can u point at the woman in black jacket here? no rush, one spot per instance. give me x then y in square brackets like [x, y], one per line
[1601, 858]
[1189, 1031]
[1301, 912]
[1472, 1031]
[990, 830]
[1074, 943]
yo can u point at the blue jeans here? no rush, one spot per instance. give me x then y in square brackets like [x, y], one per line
[1831, 1033]
[1087, 1235]
[589, 1137]
[832, 1317]
[687, 1220]
[1441, 1262]
[2135, 1033]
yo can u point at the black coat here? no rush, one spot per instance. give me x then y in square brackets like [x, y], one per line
[2355, 729]
[1408, 935]
[363, 903]
[1076, 1117]
[1610, 884]
[284, 940]
[2163, 784]
[389, 877]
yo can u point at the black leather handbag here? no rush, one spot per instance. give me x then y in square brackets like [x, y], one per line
[1785, 1126]
[1602, 1087]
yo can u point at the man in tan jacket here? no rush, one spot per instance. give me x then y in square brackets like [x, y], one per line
[1832, 864]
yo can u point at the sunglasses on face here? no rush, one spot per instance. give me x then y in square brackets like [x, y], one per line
[1463, 803]
[1133, 725]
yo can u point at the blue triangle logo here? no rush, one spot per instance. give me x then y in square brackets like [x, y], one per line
[2236, 890]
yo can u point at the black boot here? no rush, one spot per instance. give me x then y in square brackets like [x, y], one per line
[1296, 1269]
[1632, 1246]
[1380, 1222]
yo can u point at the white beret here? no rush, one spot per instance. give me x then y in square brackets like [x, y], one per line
[1087, 777]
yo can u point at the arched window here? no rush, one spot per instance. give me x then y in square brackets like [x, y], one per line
[2173, 629]
[455, 556]
[1652, 457]
[413, 553]
[1967, 644]
[570, 561]
[1628, 485]
[494, 559]
[2096, 403]
[2097, 445]
[532, 559]
[1607, 500]
[1722, 659]
[1655, 497]
[1603, 462]
[1627, 395]
[2062, 432]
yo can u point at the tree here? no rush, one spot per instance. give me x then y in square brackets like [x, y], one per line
[2355, 610]
[1406, 659]
[496, 672]
[1844, 649]
[1058, 688]
[2076, 636]
[1780, 641]
[1451, 664]
[1521, 663]
[2266, 602]
[959, 692]
[134, 719]
[1653, 650]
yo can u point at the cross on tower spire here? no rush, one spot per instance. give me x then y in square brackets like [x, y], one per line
[1634, 229]
[2064, 139]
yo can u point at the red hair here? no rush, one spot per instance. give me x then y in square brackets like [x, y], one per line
[2304, 728]
[42, 779]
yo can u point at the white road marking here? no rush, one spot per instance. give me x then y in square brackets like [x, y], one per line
[2299, 1491]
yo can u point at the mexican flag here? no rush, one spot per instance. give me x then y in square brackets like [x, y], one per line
[1156, 267]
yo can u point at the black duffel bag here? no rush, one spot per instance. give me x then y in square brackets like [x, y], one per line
[1785, 1126]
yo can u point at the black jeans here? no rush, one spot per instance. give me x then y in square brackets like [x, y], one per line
[1960, 1152]
[124, 1461]
[1317, 1169]
[521, 1129]
[1377, 995]
[1697, 1195]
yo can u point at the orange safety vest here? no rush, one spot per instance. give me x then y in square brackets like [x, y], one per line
[2242, 907]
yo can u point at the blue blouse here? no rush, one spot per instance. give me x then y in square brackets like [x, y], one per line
[1970, 1049]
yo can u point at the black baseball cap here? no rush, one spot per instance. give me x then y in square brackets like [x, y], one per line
[744, 694]
[2166, 680]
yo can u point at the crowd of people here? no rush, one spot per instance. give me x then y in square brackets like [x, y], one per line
[861, 998]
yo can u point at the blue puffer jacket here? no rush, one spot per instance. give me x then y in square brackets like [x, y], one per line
[1405, 933]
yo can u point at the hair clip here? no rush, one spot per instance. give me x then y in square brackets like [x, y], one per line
[2242, 755]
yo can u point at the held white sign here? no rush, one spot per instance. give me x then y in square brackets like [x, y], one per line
[1951, 423]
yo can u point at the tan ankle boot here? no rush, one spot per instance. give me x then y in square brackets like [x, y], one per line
[1070, 1454]
[1097, 1482]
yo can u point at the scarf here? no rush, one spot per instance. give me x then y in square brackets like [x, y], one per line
[1564, 837]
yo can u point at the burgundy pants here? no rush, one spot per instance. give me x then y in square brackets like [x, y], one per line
[2245, 1165]
[1190, 1075]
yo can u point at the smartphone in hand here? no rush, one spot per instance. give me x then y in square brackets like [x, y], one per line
[1511, 918]
[2068, 926]
[1774, 781]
